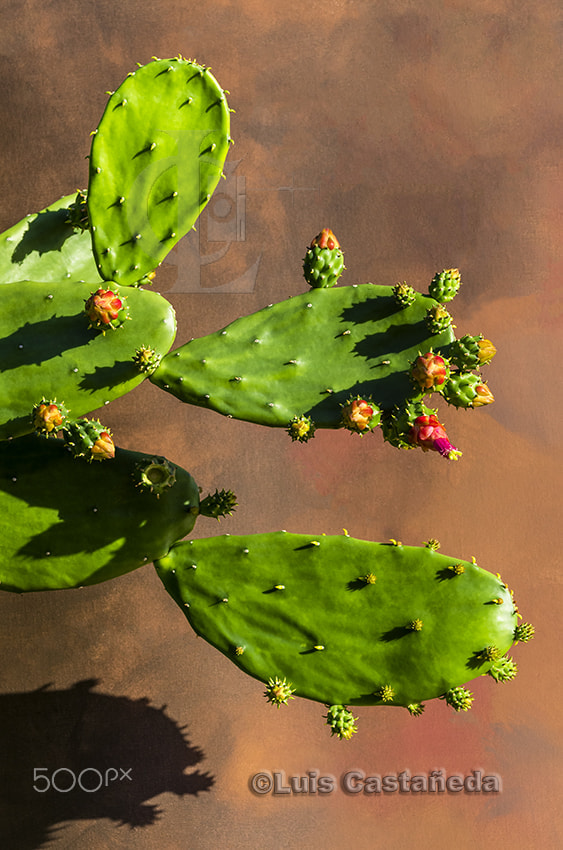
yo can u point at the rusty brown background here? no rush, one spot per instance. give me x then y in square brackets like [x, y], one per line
[427, 136]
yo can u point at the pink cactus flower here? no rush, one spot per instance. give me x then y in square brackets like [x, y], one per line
[428, 433]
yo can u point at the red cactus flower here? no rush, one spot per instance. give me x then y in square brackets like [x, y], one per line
[326, 239]
[428, 433]
[103, 307]
[429, 370]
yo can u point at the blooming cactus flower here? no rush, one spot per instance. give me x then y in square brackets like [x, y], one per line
[428, 433]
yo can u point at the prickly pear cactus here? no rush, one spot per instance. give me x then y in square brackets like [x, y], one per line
[345, 621]
[65, 522]
[48, 349]
[157, 156]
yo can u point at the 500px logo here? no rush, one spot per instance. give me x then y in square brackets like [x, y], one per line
[89, 779]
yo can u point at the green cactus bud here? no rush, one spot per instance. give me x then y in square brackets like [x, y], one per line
[324, 261]
[460, 699]
[301, 429]
[278, 691]
[403, 294]
[465, 389]
[222, 503]
[146, 359]
[89, 439]
[415, 709]
[524, 632]
[341, 721]
[77, 212]
[445, 285]
[471, 352]
[503, 669]
[438, 319]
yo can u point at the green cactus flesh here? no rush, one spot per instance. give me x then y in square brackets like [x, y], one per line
[67, 523]
[44, 246]
[306, 356]
[156, 158]
[303, 611]
[48, 350]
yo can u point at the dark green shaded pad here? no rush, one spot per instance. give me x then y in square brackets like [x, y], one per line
[156, 158]
[43, 247]
[282, 361]
[48, 350]
[67, 523]
[364, 628]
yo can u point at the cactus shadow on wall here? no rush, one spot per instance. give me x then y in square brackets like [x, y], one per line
[78, 729]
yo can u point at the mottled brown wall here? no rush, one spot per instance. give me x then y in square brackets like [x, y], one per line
[427, 136]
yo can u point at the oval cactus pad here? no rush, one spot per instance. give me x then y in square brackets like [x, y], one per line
[343, 621]
[49, 349]
[156, 158]
[65, 522]
[306, 355]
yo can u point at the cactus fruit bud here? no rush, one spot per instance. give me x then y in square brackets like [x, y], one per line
[483, 396]
[524, 632]
[77, 212]
[430, 371]
[445, 285]
[470, 352]
[105, 309]
[415, 709]
[156, 475]
[385, 693]
[464, 389]
[403, 294]
[324, 261]
[48, 417]
[360, 415]
[278, 692]
[438, 319]
[341, 721]
[146, 359]
[415, 625]
[222, 503]
[301, 428]
[503, 670]
[460, 699]
[90, 439]
[428, 433]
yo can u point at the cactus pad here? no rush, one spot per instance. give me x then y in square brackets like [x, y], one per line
[47, 349]
[296, 605]
[66, 523]
[157, 156]
[46, 246]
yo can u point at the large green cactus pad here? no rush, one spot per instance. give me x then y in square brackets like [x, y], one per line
[306, 355]
[345, 621]
[66, 523]
[47, 349]
[43, 246]
[156, 158]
